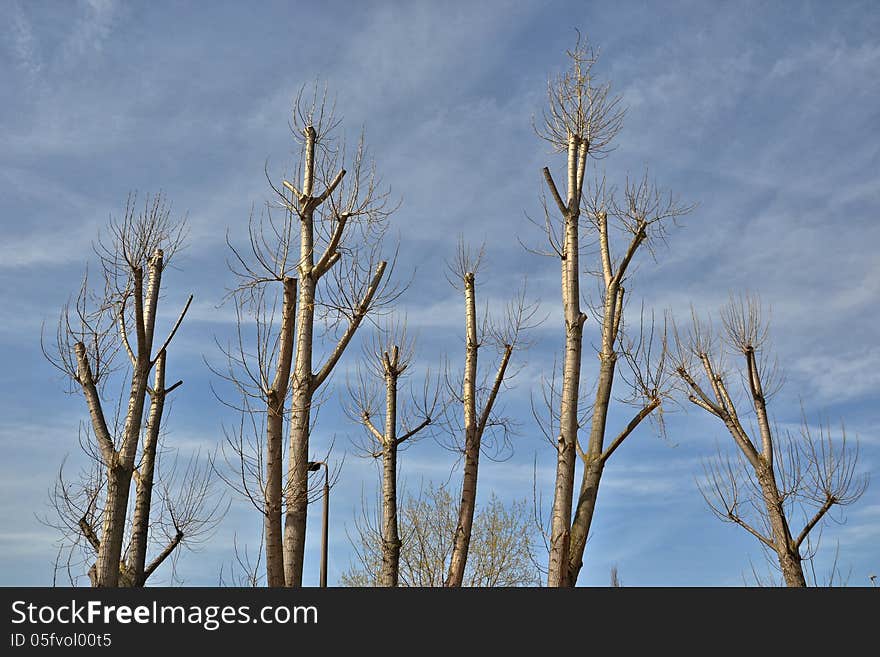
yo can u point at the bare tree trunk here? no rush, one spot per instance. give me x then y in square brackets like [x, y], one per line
[144, 479]
[132, 263]
[118, 482]
[301, 381]
[323, 216]
[786, 551]
[828, 479]
[582, 119]
[475, 422]
[390, 535]
[593, 462]
[119, 471]
[274, 439]
[560, 532]
[464, 527]
[392, 352]
[298, 457]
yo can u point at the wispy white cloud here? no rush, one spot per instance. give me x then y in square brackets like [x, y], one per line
[768, 134]
[22, 43]
[91, 29]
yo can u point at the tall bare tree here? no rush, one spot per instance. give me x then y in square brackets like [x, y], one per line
[323, 254]
[133, 257]
[502, 547]
[477, 396]
[388, 360]
[581, 120]
[774, 479]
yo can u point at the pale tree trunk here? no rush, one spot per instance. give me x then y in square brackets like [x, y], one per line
[594, 463]
[132, 264]
[390, 533]
[464, 527]
[304, 381]
[108, 565]
[144, 476]
[298, 457]
[394, 360]
[276, 397]
[786, 551]
[121, 466]
[560, 531]
[569, 535]
[475, 422]
[582, 119]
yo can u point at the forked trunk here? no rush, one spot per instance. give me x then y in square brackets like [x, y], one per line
[560, 529]
[275, 437]
[464, 527]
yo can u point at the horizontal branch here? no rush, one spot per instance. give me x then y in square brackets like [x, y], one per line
[742, 523]
[373, 430]
[89, 533]
[163, 555]
[293, 189]
[413, 432]
[555, 192]
[353, 324]
[496, 386]
[173, 330]
[93, 401]
[641, 415]
[331, 255]
[634, 244]
[704, 401]
[704, 405]
[323, 197]
[829, 502]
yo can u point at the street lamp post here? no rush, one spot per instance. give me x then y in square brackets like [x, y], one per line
[313, 467]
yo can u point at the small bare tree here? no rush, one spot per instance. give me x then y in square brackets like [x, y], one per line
[477, 395]
[501, 550]
[775, 477]
[90, 335]
[388, 360]
[322, 252]
[581, 120]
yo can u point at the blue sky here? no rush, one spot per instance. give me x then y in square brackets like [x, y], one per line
[765, 114]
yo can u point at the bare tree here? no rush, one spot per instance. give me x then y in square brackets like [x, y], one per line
[615, 582]
[91, 333]
[387, 361]
[501, 549]
[775, 478]
[477, 396]
[323, 254]
[581, 120]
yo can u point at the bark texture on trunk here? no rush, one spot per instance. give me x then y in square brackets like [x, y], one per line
[475, 422]
[720, 404]
[144, 476]
[390, 533]
[569, 534]
[296, 502]
[120, 463]
[787, 552]
[276, 398]
[560, 528]
[467, 503]
[593, 461]
[304, 379]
